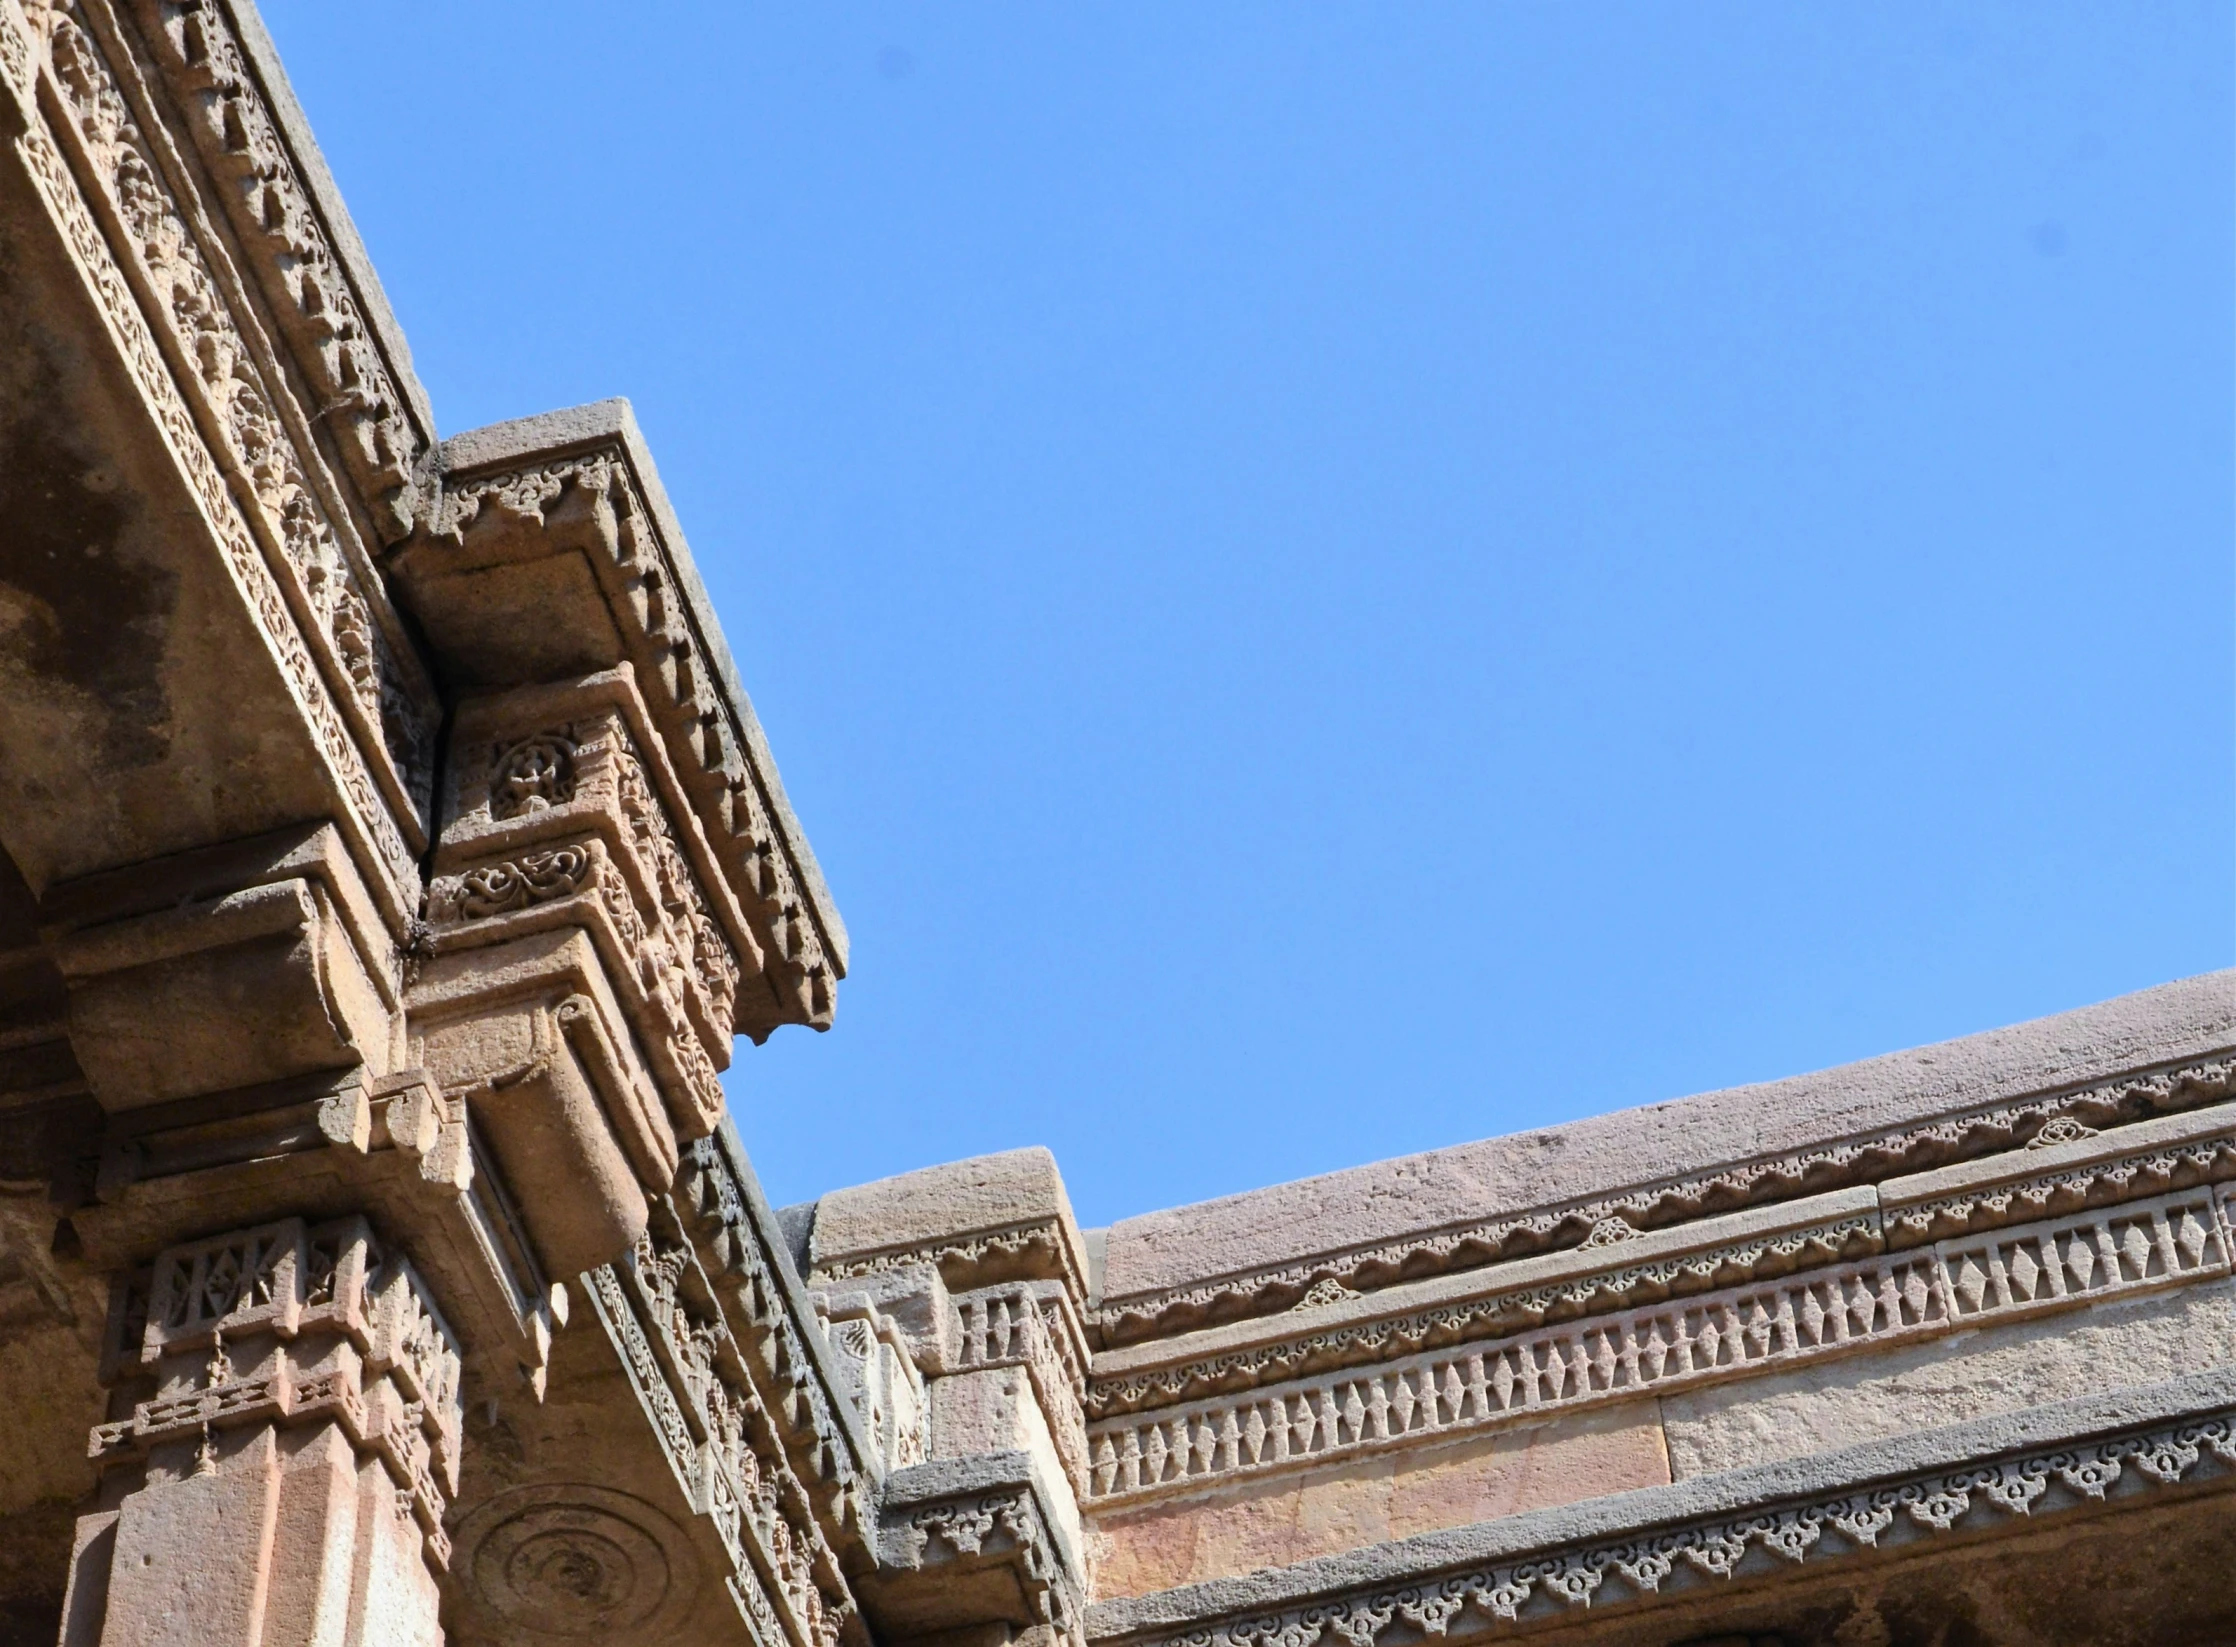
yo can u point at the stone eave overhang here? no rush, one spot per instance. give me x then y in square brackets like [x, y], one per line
[1264, 1253]
[548, 545]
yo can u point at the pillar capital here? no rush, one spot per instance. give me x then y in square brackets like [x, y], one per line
[283, 1443]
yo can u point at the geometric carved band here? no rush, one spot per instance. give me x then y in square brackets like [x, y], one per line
[1479, 1602]
[287, 1324]
[1952, 1285]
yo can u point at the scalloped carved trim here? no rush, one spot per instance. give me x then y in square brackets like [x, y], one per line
[1491, 1599]
[1986, 1131]
[1962, 1283]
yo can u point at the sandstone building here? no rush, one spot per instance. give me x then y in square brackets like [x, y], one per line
[392, 859]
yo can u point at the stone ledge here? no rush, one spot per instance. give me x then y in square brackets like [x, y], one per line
[1261, 1252]
[2063, 1456]
[971, 1541]
[493, 566]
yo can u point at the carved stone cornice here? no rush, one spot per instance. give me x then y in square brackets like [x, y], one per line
[397, 1148]
[306, 263]
[1605, 1273]
[1958, 1284]
[2063, 1168]
[734, 1231]
[2086, 1457]
[561, 810]
[124, 200]
[564, 515]
[969, 1542]
[1036, 1247]
[721, 1438]
[1862, 1159]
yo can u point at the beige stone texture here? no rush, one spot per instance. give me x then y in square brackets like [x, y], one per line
[389, 859]
[1291, 1518]
[1393, 1201]
[1968, 1375]
[943, 1205]
[996, 1411]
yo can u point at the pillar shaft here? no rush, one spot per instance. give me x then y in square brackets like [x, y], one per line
[282, 1445]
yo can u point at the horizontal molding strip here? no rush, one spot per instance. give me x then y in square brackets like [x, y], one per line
[1956, 1284]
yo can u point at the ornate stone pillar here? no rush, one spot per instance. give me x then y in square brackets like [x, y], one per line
[955, 1298]
[282, 1445]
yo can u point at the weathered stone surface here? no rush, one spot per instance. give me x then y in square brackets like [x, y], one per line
[1269, 1235]
[391, 856]
[988, 1217]
[2139, 1340]
[1357, 1506]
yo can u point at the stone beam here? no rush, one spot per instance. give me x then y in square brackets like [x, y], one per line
[550, 553]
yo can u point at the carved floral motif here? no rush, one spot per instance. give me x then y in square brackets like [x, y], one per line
[533, 775]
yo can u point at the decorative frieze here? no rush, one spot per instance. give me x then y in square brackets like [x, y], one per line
[291, 249]
[1772, 1538]
[491, 520]
[1579, 1286]
[2063, 1168]
[249, 413]
[163, 290]
[1864, 1158]
[1038, 1246]
[291, 1323]
[1873, 1304]
[660, 1309]
[712, 1198]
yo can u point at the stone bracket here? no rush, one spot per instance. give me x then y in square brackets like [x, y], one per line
[964, 1543]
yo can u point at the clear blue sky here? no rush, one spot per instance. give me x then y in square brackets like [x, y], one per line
[1332, 579]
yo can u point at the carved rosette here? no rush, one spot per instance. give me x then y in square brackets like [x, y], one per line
[573, 822]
